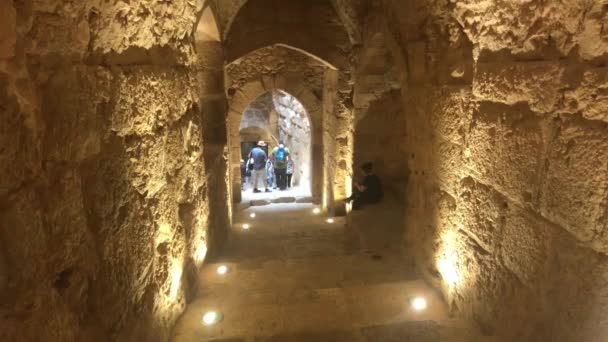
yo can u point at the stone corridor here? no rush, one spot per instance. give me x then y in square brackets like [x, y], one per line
[123, 124]
[294, 277]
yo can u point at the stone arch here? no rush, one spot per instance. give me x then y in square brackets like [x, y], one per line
[251, 91]
[326, 37]
[206, 28]
[348, 12]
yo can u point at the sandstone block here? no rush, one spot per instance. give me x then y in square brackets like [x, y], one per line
[151, 98]
[449, 165]
[504, 148]
[260, 202]
[450, 113]
[417, 62]
[284, 200]
[8, 29]
[575, 190]
[481, 212]
[525, 245]
[575, 288]
[535, 83]
[75, 102]
[590, 96]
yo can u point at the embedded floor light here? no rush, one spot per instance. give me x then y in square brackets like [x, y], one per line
[252, 215]
[330, 220]
[223, 269]
[316, 211]
[418, 303]
[212, 317]
[246, 226]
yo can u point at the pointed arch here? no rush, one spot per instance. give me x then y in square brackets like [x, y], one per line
[248, 93]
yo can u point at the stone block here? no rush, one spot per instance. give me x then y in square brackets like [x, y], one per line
[416, 53]
[151, 98]
[504, 149]
[575, 189]
[24, 239]
[576, 288]
[535, 83]
[284, 200]
[261, 202]
[8, 29]
[19, 156]
[525, 245]
[481, 213]
[307, 199]
[75, 102]
[450, 113]
[590, 96]
[449, 165]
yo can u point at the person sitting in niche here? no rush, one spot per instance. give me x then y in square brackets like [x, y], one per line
[369, 191]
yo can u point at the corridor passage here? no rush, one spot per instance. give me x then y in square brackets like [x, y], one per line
[295, 277]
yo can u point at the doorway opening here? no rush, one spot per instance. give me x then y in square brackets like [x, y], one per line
[277, 117]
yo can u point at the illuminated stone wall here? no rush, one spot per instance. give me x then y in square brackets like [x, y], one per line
[507, 136]
[295, 131]
[103, 196]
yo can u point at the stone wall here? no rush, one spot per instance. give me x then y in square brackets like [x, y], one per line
[380, 122]
[506, 108]
[261, 113]
[103, 194]
[295, 132]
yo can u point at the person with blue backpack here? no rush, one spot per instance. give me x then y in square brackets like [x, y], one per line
[279, 160]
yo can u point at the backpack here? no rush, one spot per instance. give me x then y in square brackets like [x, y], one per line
[281, 154]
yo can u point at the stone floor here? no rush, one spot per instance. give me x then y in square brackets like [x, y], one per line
[295, 277]
[249, 198]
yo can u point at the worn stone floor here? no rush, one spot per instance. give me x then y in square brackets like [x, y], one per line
[297, 193]
[295, 277]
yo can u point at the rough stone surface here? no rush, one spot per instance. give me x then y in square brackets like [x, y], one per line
[104, 210]
[120, 124]
[507, 159]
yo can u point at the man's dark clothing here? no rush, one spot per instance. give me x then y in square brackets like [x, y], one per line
[373, 192]
[281, 178]
[259, 158]
[373, 188]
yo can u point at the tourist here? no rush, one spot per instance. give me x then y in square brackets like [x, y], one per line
[279, 161]
[270, 173]
[289, 171]
[258, 157]
[369, 191]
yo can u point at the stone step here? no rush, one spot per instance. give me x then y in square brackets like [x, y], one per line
[379, 312]
[310, 272]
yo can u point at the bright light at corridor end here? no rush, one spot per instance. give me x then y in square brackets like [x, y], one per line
[316, 211]
[252, 215]
[418, 303]
[211, 317]
[246, 226]
[223, 269]
[330, 220]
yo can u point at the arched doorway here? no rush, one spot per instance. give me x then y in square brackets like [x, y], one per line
[277, 116]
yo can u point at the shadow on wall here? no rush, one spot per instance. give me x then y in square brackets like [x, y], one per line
[379, 138]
